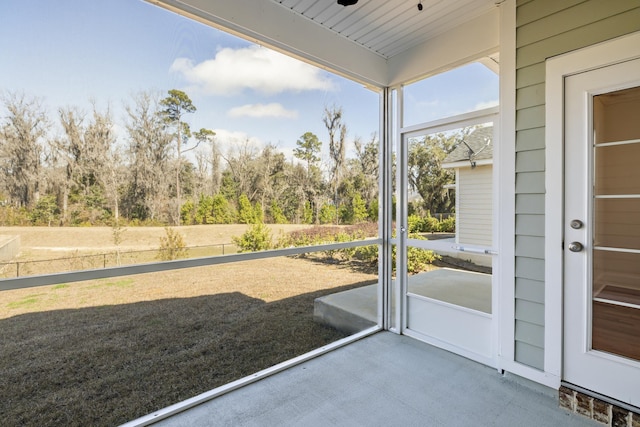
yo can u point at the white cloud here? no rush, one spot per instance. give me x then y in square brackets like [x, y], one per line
[273, 109]
[255, 68]
[229, 140]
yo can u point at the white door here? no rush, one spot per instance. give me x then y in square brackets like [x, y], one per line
[602, 231]
[450, 307]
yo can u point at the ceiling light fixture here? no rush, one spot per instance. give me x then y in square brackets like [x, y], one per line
[347, 2]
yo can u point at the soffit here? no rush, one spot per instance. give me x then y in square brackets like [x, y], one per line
[389, 27]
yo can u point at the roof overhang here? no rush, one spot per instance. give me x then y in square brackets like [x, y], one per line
[466, 164]
[269, 23]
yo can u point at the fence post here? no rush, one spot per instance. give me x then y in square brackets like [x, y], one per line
[223, 249]
[104, 260]
[17, 269]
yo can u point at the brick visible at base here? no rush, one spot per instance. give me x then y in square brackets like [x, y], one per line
[620, 417]
[596, 409]
[567, 398]
[601, 411]
[584, 405]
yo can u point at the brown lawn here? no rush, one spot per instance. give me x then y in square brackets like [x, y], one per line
[105, 352]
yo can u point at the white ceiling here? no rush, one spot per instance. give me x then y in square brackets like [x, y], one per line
[389, 27]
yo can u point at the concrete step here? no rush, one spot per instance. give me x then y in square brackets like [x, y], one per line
[356, 309]
[348, 311]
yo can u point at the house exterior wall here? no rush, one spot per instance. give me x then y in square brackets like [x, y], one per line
[474, 206]
[546, 28]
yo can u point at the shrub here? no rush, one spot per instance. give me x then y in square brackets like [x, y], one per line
[328, 214]
[172, 245]
[359, 208]
[327, 234]
[187, 215]
[277, 215]
[372, 211]
[222, 211]
[367, 254]
[415, 224]
[256, 238]
[45, 211]
[10, 215]
[346, 253]
[246, 213]
[430, 224]
[307, 213]
[448, 225]
[418, 259]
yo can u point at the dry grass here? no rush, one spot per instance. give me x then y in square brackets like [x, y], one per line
[62, 240]
[46, 250]
[107, 351]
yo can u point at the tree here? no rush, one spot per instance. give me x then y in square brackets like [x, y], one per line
[367, 167]
[21, 148]
[106, 158]
[148, 157]
[269, 180]
[425, 172]
[69, 149]
[337, 130]
[207, 163]
[308, 149]
[240, 162]
[176, 105]
[87, 153]
[44, 211]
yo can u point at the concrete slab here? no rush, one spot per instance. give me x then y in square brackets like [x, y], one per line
[464, 288]
[384, 380]
[356, 309]
[349, 311]
[9, 247]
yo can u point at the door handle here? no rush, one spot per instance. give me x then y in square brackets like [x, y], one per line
[575, 247]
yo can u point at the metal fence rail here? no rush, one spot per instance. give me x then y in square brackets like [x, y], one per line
[103, 260]
[152, 267]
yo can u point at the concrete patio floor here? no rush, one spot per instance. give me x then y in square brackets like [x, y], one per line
[384, 380]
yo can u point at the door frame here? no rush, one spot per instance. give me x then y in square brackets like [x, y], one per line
[611, 52]
[490, 357]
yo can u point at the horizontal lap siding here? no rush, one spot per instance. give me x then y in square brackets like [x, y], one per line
[546, 28]
[474, 206]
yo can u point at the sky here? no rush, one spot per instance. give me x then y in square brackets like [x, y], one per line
[68, 52]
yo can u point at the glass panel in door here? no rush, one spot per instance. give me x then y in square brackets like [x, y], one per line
[449, 216]
[616, 222]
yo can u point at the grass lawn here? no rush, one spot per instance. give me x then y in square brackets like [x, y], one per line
[104, 352]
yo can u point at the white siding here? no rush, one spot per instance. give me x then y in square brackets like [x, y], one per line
[474, 206]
